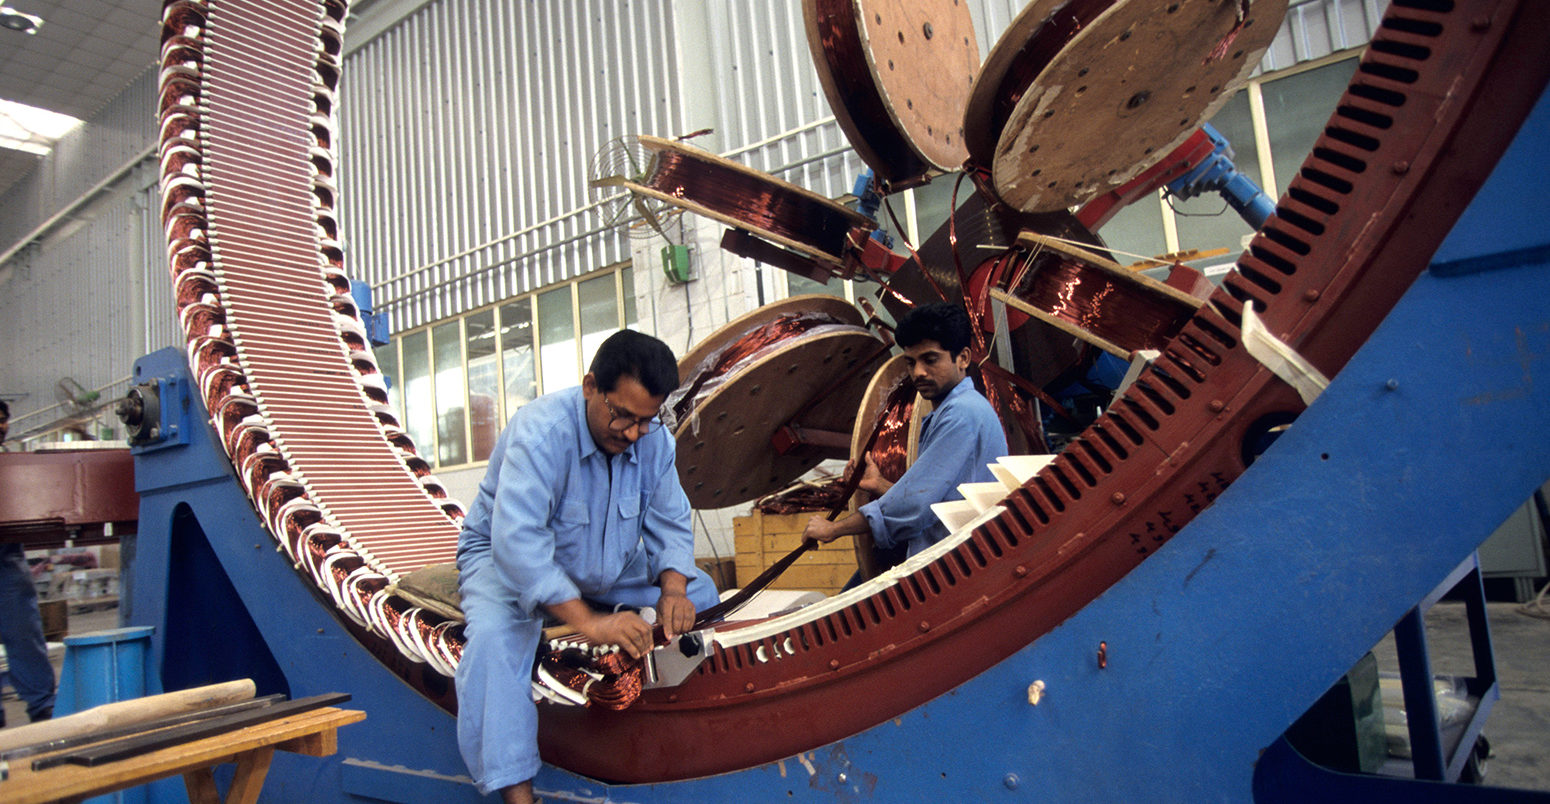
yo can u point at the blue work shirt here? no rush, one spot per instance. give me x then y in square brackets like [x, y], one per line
[958, 441]
[560, 520]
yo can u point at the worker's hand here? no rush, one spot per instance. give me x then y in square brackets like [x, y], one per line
[820, 530]
[675, 612]
[625, 629]
[872, 480]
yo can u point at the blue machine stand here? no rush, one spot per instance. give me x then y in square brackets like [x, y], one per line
[225, 603]
[1344, 528]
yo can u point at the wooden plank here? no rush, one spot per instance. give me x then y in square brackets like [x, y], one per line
[200, 784]
[321, 744]
[252, 767]
[66, 782]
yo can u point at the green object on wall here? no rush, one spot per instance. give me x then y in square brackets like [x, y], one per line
[675, 264]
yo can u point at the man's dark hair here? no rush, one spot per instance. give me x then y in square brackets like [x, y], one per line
[643, 357]
[5, 410]
[943, 322]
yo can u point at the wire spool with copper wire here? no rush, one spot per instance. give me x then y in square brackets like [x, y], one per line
[793, 367]
[897, 74]
[1079, 96]
[1084, 294]
[892, 409]
[816, 229]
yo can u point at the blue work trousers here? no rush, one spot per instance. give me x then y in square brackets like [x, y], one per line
[21, 630]
[497, 722]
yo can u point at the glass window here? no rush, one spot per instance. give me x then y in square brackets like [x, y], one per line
[483, 384]
[627, 280]
[387, 363]
[1136, 229]
[797, 285]
[557, 358]
[599, 313]
[1296, 109]
[451, 443]
[1206, 221]
[419, 406]
[517, 354]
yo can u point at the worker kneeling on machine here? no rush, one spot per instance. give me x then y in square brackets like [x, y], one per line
[959, 439]
[581, 504]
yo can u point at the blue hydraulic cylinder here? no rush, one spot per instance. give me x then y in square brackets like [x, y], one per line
[1217, 173]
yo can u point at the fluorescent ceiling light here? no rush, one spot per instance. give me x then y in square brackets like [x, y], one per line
[27, 128]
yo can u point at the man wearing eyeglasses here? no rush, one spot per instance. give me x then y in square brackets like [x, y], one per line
[581, 507]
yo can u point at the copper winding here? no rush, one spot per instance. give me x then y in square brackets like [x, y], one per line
[760, 204]
[216, 303]
[890, 446]
[608, 678]
[783, 329]
[1097, 303]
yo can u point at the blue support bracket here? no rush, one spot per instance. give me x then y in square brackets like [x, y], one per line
[1217, 173]
[376, 324]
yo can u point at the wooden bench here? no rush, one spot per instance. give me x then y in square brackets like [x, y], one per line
[313, 733]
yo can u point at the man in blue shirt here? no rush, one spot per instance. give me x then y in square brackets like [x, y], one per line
[581, 503]
[958, 440]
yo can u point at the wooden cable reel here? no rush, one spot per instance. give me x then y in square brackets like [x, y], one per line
[725, 453]
[1079, 97]
[874, 406]
[897, 75]
[797, 220]
[1088, 296]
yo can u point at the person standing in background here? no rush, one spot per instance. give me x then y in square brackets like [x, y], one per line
[21, 627]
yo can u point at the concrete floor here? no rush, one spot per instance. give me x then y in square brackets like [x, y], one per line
[1518, 728]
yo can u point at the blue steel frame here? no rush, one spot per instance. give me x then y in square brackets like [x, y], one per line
[1421, 446]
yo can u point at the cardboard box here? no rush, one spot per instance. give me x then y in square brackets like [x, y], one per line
[723, 571]
[763, 539]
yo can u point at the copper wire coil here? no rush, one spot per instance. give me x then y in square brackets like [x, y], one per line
[276, 491]
[890, 449]
[178, 17]
[198, 318]
[735, 194]
[181, 121]
[784, 328]
[299, 525]
[189, 259]
[245, 439]
[219, 382]
[185, 227]
[180, 158]
[844, 57]
[257, 467]
[179, 49]
[1095, 302]
[322, 132]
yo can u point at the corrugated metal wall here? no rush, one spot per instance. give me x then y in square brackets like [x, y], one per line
[1316, 28]
[468, 134]
[82, 306]
[124, 128]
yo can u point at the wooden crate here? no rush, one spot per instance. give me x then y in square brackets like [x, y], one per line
[763, 539]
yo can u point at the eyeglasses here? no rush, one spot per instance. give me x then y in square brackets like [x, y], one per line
[623, 420]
